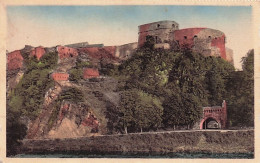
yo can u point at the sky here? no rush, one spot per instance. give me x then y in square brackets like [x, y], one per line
[116, 25]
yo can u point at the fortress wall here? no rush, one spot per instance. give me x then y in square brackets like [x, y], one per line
[98, 53]
[123, 52]
[209, 42]
[210, 141]
[14, 60]
[90, 73]
[229, 55]
[38, 52]
[60, 76]
[219, 42]
[187, 36]
[66, 52]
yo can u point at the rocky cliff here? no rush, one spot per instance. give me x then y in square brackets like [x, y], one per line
[59, 117]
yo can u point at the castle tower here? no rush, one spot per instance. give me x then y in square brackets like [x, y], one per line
[208, 42]
[159, 31]
[166, 35]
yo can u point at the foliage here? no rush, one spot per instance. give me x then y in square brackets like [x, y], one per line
[240, 98]
[28, 96]
[76, 73]
[139, 110]
[183, 82]
[15, 131]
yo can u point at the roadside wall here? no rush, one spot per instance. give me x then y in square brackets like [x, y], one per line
[237, 141]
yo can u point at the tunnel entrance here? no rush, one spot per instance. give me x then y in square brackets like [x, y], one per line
[211, 123]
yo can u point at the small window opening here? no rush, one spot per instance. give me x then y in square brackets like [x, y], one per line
[173, 25]
[185, 37]
[158, 25]
[209, 37]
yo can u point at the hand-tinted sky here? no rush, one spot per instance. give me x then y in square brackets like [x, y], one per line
[115, 25]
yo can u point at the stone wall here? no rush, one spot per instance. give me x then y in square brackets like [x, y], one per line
[124, 52]
[229, 54]
[38, 52]
[159, 30]
[66, 52]
[60, 76]
[236, 141]
[14, 60]
[209, 42]
[218, 113]
[90, 73]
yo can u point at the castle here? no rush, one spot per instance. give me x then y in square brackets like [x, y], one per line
[162, 34]
[165, 35]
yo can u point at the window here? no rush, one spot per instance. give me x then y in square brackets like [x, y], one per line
[209, 37]
[185, 37]
[195, 37]
[158, 25]
[173, 25]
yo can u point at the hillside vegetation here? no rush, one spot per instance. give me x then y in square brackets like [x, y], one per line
[162, 88]
[159, 89]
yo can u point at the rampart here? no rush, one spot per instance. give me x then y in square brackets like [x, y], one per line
[38, 52]
[14, 60]
[60, 76]
[66, 52]
[165, 143]
[90, 73]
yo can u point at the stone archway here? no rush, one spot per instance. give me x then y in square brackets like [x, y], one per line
[210, 123]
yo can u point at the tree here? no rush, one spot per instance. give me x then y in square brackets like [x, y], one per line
[139, 110]
[240, 97]
[15, 131]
